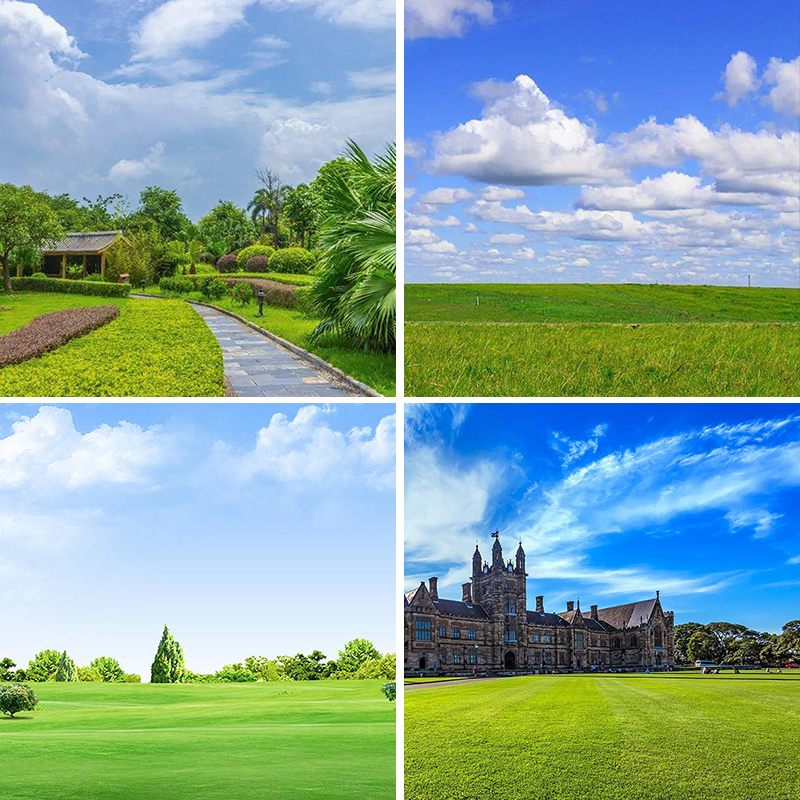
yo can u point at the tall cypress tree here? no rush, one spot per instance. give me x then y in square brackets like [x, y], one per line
[67, 671]
[168, 665]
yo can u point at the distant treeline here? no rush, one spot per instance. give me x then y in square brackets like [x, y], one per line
[730, 643]
[359, 660]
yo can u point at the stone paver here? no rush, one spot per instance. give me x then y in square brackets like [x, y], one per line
[255, 366]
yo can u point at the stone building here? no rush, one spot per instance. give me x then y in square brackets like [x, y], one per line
[491, 629]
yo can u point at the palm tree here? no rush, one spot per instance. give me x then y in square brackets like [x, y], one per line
[267, 203]
[355, 285]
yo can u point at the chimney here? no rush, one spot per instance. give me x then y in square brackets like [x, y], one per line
[570, 605]
[594, 612]
[433, 588]
[466, 593]
[540, 603]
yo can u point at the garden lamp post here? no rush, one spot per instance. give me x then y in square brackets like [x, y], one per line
[260, 303]
[144, 283]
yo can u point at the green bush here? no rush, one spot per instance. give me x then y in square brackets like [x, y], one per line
[240, 293]
[213, 288]
[292, 259]
[95, 277]
[303, 303]
[183, 284]
[254, 250]
[227, 263]
[89, 675]
[130, 677]
[98, 289]
[135, 260]
[275, 294]
[39, 275]
[389, 690]
[16, 697]
[257, 264]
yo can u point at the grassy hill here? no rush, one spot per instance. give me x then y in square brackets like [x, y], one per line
[607, 737]
[586, 302]
[264, 741]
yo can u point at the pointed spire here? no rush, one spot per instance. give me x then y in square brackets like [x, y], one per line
[477, 560]
[520, 559]
[497, 554]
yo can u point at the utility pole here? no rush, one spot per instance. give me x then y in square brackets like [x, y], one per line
[748, 280]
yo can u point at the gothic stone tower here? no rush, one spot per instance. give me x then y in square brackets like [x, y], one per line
[500, 588]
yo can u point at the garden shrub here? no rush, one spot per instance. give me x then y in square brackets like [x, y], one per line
[257, 264]
[89, 675]
[38, 276]
[254, 250]
[240, 293]
[292, 259]
[227, 263]
[183, 284]
[275, 294]
[96, 288]
[389, 690]
[303, 302]
[213, 288]
[49, 331]
[95, 277]
[131, 677]
[16, 697]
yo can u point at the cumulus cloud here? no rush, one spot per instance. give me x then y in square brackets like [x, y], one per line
[305, 449]
[785, 78]
[739, 78]
[425, 221]
[446, 196]
[522, 138]
[442, 19]
[132, 169]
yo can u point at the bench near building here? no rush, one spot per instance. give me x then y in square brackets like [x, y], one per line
[490, 630]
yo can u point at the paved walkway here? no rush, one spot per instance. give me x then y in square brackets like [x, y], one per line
[255, 366]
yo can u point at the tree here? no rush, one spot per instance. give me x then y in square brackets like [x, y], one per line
[682, 635]
[300, 211]
[267, 203]
[306, 667]
[703, 646]
[16, 697]
[168, 664]
[67, 671]
[26, 221]
[354, 291]
[108, 668]
[7, 670]
[43, 666]
[89, 675]
[356, 652]
[266, 669]
[229, 224]
[389, 690]
[235, 673]
[164, 209]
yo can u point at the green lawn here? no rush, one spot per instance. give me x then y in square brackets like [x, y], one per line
[264, 741]
[586, 302]
[602, 360]
[609, 737]
[153, 349]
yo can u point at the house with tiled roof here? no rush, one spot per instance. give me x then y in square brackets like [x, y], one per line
[490, 630]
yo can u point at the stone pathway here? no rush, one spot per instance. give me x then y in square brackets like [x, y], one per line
[255, 366]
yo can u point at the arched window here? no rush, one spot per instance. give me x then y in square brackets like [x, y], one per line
[657, 637]
[616, 644]
[634, 643]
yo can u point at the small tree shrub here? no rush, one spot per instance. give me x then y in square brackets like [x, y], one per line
[168, 665]
[89, 675]
[275, 294]
[43, 666]
[16, 697]
[241, 294]
[227, 263]
[67, 671]
[292, 259]
[389, 690]
[213, 287]
[257, 264]
[108, 668]
[131, 677]
[254, 250]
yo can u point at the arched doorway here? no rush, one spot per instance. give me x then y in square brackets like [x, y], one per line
[423, 663]
[510, 660]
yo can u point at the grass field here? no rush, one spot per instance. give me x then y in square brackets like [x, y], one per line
[153, 349]
[610, 737]
[601, 340]
[265, 741]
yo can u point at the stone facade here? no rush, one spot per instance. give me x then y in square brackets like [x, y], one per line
[491, 630]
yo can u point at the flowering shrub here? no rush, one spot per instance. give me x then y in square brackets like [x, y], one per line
[240, 293]
[212, 287]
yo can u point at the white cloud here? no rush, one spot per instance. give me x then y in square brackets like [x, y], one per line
[785, 77]
[507, 238]
[445, 18]
[420, 236]
[425, 221]
[580, 262]
[131, 169]
[373, 79]
[759, 520]
[501, 193]
[574, 449]
[442, 246]
[47, 449]
[739, 78]
[524, 254]
[321, 87]
[794, 560]
[522, 138]
[305, 449]
[446, 196]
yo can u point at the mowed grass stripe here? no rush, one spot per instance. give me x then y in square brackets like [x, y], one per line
[603, 737]
[250, 742]
[591, 360]
[626, 303]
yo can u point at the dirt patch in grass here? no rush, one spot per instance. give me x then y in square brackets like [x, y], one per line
[50, 331]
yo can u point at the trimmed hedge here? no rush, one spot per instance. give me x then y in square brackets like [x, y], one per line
[70, 287]
[257, 264]
[292, 279]
[292, 259]
[227, 263]
[275, 294]
[49, 331]
[254, 250]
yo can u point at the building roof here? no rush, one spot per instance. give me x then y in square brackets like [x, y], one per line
[457, 608]
[544, 618]
[630, 615]
[83, 243]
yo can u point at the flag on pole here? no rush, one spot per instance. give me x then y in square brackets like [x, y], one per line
[495, 534]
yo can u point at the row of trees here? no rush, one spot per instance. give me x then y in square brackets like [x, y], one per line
[730, 643]
[358, 660]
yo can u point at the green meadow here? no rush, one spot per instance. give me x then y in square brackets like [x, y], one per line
[604, 737]
[270, 741]
[584, 340]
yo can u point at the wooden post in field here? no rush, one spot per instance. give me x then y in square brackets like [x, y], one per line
[477, 300]
[64, 266]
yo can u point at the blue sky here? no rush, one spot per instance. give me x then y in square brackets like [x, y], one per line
[105, 96]
[580, 140]
[613, 502]
[243, 528]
